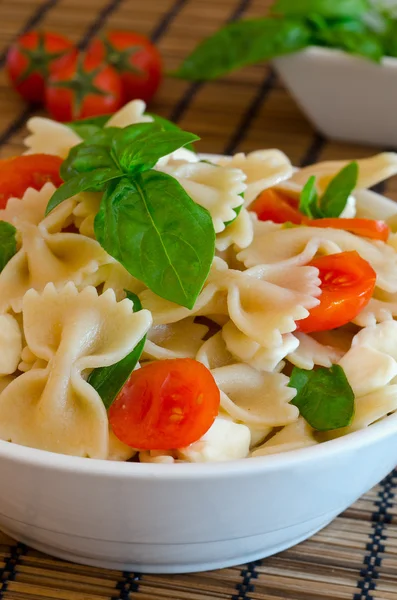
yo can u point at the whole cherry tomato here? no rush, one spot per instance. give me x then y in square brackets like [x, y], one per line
[30, 170]
[347, 285]
[32, 58]
[166, 404]
[82, 86]
[136, 60]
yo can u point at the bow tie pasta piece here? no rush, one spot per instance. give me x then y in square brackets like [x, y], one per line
[225, 440]
[240, 233]
[85, 211]
[163, 457]
[213, 353]
[215, 188]
[10, 345]
[263, 168]
[255, 399]
[115, 277]
[291, 437]
[381, 307]
[45, 253]
[244, 349]
[118, 450]
[371, 362]
[264, 302]
[177, 340]
[274, 244]
[310, 352]
[130, 114]
[54, 408]
[371, 170]
[50, 137]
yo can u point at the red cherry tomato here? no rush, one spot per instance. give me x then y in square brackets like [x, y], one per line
[376, 230]
[136, 60]
[31, 170]
[32, 58]
[166, 404]
[81, 87]
[272, 205]
[347, 284]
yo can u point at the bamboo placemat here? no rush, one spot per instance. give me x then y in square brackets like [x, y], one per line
[354, 558]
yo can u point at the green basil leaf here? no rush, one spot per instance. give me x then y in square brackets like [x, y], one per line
[362, 43]
[244, 43]
[109, 381]
[168, 126]
[326, 8]
[324, 397]
[85, 182]
[308, 200]
[86, 128]
[155, 230]
[8, 243]
[390, 39]
[139, 147]
[338, 191]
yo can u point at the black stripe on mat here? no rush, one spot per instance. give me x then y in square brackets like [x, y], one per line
[92, 30]
[181, 107]
[33, 20]
[245, 587]
[167, 19]
[250, 114]
[314, 150]
[128, 585]
[376, 546]
[8, 573]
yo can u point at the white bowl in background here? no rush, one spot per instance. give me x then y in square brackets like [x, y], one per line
[174, 518]
[345, 97]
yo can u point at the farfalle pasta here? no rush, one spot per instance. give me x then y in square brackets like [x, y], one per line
[164, 308]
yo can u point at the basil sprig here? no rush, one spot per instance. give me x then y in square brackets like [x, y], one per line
[146, 219]
[292, 26]
[334, 200]
[324, 397]
[108, 381]
[8, 243]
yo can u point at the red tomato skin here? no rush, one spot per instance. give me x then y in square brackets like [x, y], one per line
[272, 205]
[19, 173]
[349, 289]
[370, 228]
[166, 404]
[60, 101]
[140, 85]
[32, 89]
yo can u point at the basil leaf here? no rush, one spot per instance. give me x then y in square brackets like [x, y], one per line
[139, 147]
[84, 182]
[338, 191]
[8, 243]
[308, 200]
[362, 43]
[86, 128]
[390, 39]
[324, 397]
[108, 381]
[327, 8]
[155, 230]
[244, 43]
[168, 126]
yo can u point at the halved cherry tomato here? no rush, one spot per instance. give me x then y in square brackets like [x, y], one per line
[166, 404]
[136, 60]
[272, 205]
[376, 230]
[347, 284]
[31, 59]
[31, 170]
[82, 86]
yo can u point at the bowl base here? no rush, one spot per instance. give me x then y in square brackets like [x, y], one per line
[164, 568]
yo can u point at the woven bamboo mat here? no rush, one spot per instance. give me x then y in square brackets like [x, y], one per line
[354, 558]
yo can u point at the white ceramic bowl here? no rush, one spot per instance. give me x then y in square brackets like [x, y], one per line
[345, 97]
[185, 517]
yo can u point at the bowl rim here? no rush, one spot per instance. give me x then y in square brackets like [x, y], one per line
[323, 53]
[353, 441]
[191, 471]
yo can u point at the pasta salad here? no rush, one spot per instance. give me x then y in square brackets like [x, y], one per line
[162, 307]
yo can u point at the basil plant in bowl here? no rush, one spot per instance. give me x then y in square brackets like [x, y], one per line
[338, 58]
